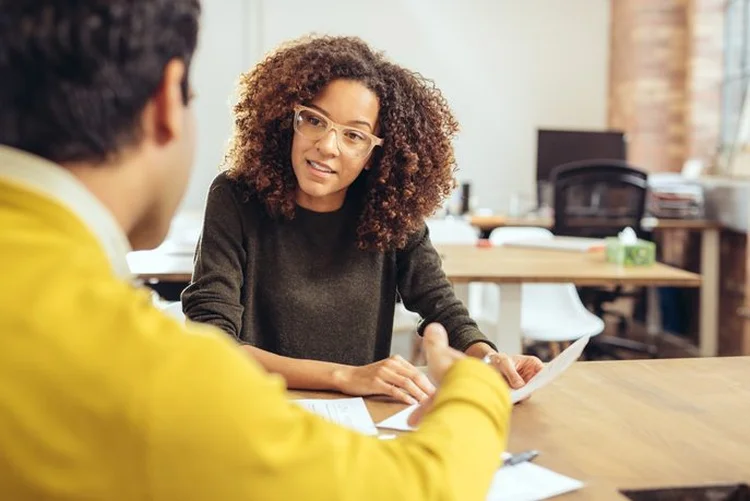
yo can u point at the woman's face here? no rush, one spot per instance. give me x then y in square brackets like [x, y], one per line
[327, 163]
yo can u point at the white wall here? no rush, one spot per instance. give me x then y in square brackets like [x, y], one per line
[506, 67]
[222, 54]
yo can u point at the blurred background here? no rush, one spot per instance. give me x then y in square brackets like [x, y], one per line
[658, 84]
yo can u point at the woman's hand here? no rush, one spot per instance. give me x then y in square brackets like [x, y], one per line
[516, 369]
[393, 377]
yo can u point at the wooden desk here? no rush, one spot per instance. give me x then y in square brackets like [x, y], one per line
[516, 265]
[643, 424]
[489, 223]
[509, 267]
[709, 296]
[155, 266]
[634, 424]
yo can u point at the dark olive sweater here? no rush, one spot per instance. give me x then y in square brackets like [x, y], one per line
[301, 288]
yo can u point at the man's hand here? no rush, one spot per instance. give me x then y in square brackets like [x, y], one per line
[440, 358]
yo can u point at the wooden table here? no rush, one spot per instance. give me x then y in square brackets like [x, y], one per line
[709, 289]
[509, 267]
[156, 266]
[634, 424]
[643, 424]
[489, 223]
[505, 266]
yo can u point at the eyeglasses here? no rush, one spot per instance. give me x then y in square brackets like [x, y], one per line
[352, 142]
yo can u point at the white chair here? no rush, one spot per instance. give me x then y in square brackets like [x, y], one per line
[404, 338]
[174, 310]
[452, 230]
[550, 313]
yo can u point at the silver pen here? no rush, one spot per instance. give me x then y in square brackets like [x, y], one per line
[521, 457]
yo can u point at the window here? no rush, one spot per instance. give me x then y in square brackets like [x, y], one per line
[736, 68]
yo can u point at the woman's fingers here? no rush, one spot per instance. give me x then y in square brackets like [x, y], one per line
[418, 378]
[505, 366]
[394, 377]
[384, 387]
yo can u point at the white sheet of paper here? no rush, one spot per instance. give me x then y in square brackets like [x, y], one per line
[398, 420]
[529, 482]
[349, 412]
[551, 370]
[549, 373]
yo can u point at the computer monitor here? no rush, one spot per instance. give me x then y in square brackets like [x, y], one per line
[557, 147]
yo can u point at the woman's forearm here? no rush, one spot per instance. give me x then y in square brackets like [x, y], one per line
[301, 374]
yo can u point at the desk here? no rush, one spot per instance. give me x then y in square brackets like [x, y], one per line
[509, 267]
[506, 266]
[489, 223]
[156, 266]
[709, 289]
[635, 424]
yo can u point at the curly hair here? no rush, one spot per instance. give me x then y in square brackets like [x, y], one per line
[76, 76]
[411, 175]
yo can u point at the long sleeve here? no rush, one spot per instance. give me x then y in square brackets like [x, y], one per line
[220, 428]
[213, 296]
[425, 289]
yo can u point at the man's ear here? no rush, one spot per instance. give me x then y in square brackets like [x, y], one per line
[164, 114]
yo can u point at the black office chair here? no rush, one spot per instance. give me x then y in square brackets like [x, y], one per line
[597, 199]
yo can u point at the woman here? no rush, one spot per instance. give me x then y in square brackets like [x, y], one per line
[338, 156]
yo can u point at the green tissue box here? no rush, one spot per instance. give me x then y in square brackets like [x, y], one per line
[642, 253]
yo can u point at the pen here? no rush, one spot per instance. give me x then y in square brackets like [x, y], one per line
[521, 457]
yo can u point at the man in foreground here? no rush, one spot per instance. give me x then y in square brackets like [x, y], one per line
[101, 395]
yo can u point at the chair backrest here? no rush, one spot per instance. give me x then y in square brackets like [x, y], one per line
[452, 231]
[598, 198]
[502, 235]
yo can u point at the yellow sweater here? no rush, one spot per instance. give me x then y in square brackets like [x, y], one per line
[104, 397]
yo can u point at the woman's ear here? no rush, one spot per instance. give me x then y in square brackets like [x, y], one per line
[368, 164]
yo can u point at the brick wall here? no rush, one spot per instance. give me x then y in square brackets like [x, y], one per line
[666, 62]
[665, 75]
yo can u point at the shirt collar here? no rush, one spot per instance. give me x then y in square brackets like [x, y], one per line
[60, 185]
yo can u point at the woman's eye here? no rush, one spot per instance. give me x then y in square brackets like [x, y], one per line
[313, 120]
[354, 135]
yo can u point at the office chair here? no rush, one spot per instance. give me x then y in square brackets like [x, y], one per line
[597, 199]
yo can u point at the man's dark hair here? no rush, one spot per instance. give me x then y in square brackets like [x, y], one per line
[75, 76]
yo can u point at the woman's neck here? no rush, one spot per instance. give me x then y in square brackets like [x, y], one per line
[328, 203]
